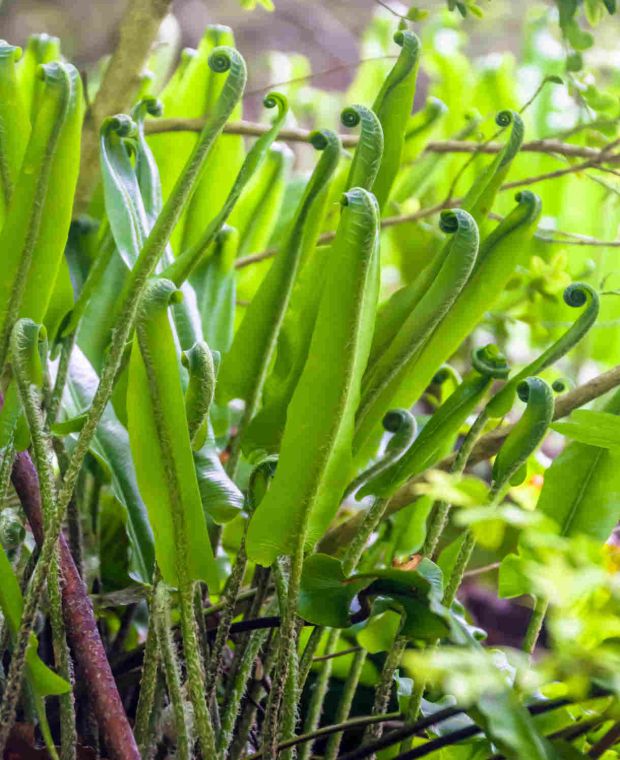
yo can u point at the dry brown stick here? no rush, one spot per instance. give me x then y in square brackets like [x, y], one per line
[80, 623]
[246, 128]
[253, 129]
[486, 447]
[609, 740]
[120, 84]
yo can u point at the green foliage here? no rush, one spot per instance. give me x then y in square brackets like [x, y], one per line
[234, 385]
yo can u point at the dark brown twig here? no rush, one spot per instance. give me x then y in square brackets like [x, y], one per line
[80, 623]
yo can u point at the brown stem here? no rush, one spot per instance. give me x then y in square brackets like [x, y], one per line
[253, 129]
[119, 86]
[80, 623]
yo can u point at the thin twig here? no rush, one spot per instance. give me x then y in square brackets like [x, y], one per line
[341, 653]
[255, 129]
[607, 741]
[364, 720]
[315, 74]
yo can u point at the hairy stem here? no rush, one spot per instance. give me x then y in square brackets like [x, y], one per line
[535, 625]
[163, 626]
[62, 658]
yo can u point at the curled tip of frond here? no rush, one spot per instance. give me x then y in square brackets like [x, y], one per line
[351, 117]
[122, 124]
[319, 139]
[52, 73]
[220, 59]
[505, 118]
[42, 40]
[524, 388]
[160, 293]
[441, 376]
[151, 106]
[450, 220]
[578, 294]
[405, 38]
[276, 99]
[529, 199]
[259, 481]
[489, 360]
[396, 419]
[188, 54]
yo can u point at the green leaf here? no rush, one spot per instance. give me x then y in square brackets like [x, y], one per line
[40, 49]
[499, 254]
[315, 460]
[161, 447]
[38, 217]
[14, 125]
[110, 445]
[244, 367]
[581, 488]
[326, 594]
[511, 728]
[43, 680]
[393, 106]
[591, 427]
[459, 490]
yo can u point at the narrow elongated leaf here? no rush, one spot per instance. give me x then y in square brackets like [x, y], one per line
[191, 93]
[498, 256]
[244, 366]
[37, 225]
[581, 491]
[428, 312]
[315, 462]
[591, 427]
[111, 447]
[14, 125]
[393, 107]
[265, 430]
[161, 447]
[43, 680]
[479, 199]
[40, 49]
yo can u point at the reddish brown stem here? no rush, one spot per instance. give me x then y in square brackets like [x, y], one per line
[80, 624]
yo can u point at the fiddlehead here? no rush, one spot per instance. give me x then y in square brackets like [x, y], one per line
[480, 197]
[489, 361]
[527, 433]
[369, 151]
[506, 119]
[259, 482]
[402, 424]
[125, 211]
[577, 295]
[442, 427]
